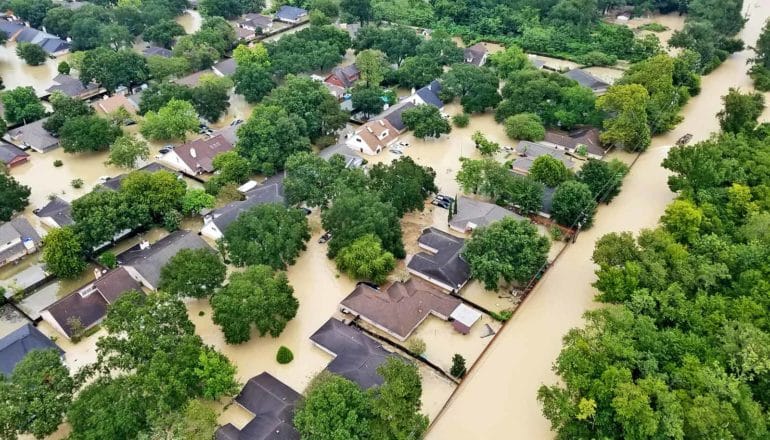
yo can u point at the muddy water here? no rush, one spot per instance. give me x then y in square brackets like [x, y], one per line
[16, 73]
[498, 398]
[191, 21]
[673, 22]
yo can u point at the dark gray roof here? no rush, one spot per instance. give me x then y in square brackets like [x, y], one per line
[445, 265]
[586, 79]
[34, 136]
[58, 209]
[18, 343]
[346, 75]
[268, 192]
[479, 213]
[53, 45]
[148, 262]
[272, 402]
[475, 54]
[157, 51]
[16, 229]
[532, 150]
[357, 356]
[227, 432]
[114, 183]
[70, 86]
[8, 153]
[226, 67]
[255, 20]
[352, 160]
[394, 115]
[27, 35]
[429, 94]
[9, 28]
[290, 13]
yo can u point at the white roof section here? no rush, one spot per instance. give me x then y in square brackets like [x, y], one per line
[465, 315]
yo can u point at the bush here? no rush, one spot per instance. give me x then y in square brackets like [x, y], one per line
[502, 316]
[597, 58]
[63, 68]
[77, 183]
[108, 260]
[416, 346]
[653, 27]
[525, 126]
[284, 355]
[556, 233]
[172, 220]
[57, 163]
[761, 77]
[462, 120]
[458, 366]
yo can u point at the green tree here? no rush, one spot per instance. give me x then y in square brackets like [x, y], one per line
[14, 197]
[63, 253]
[102, 402]
[216, 374]
[418, 71]
[310, 179]
[268, 234]
[112, 69]
[196, 200]
[604, 178]
[397, 42]
[509, 249]
[127, 150]
[253, 81]
[475, 86]
[196, 422]
[683, 220]
[371, 64]
[525, 126]
[360, 10]
[87, 134]
[58, 21]
[365, 259]
[426, 121]
[162, 68]
[199, 55]
[115, 36]
[32, 54]
[158, 95]
[163, 33]
[740, 111]
[330, 8]
[509, 60]
[230, 168]
[254, 55]
[334, 408]
[628, 127]
[193, 273]
[396, 403]
[228, 9]
[211, 97]
[440, 48]
[403, 184]
[284, 355]
[269, 137]
[32, 11]
[549, 171]
[173, 121]
[100, 215]
[725, 16]
[153, 195]
[572, 203]
[37, 394]
[484, 145]
[458, 366]
[357, 213]
[22, 105]
[258, 296]
[64, 109]
[367, 100]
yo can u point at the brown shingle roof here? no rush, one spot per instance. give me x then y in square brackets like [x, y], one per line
[379, 132]
[401, 307]
[586, 136]
[113, 103]
[199, 154]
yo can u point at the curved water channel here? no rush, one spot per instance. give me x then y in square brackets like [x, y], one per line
[498, 398]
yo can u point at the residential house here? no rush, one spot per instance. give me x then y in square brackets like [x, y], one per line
[87, 306]
[11, 155]
[51, 44]
[373, 137]
[586, 79]
[17, 240]
[529, 151]
[34, 136]
[155, 51]
[472, 214]
[11, 28]
[352, 160]
[572, 141]
[476, 54]
[291, 14]
[144, 261]
[356, 355]
[272, 403]
[215, 223]
[153, 167]
[428, 95]
[54, 46]
[197, 157]
[395, 113]
[110, 104]
[17, 344]
[193, 79]
[344, 77]
[441, 261]
[73, 87]
[56, 213]
[225, 67]
[230, 133]
[401, 307]
[256, 23]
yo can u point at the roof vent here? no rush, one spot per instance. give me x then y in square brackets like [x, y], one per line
[144, 244]
[193, 153]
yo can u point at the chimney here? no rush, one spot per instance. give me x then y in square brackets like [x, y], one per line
[369, 129]
[193, 153]
[144, 244]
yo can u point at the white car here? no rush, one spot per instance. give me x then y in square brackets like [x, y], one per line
[103, 179]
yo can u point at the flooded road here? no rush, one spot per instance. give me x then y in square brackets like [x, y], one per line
[191, 21]
[16, 73]
[498, 398]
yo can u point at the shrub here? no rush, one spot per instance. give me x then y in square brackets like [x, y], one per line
[458, 366]
[57, 163]
[108, 260]
[525, 126]
[77, 183]
[284, 355]
[462, 120]
[653, 27]
[501, 316]
[597, 58]
[172, 220]
[556, 233]
[416, 346]
[63, 68]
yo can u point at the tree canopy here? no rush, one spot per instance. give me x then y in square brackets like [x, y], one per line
[366, 260]
[22, 105]
[14, 197]
[192, 272]
[403, 184]
[173, 121]
[426, 121]
[573, 202]
[269, 137]
[87, 134]
[475, 86]
[63, 253]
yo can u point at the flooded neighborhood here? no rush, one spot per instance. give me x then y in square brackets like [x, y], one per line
[328, 220]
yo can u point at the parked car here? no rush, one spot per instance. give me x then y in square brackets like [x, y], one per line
[164, 150]
[445, 198]
[236, 122]
[103, 179]
[396, 151]
[367, 283]
[324, 238]
[441, 203]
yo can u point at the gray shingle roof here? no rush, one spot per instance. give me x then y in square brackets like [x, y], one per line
[53, 45]
[70, 86]
[478, 213]
[19, 343]
[157, 51]
[58, 209]
[533, 150]
[9, 153]
[34, 136]
[28, 35]
[352, 160]
[395, 113]
[290, 13]
[586, 79]
[9, 28]
[444, 262]
[255, 21]
[357, 356]
[199, 154]
[429, 94]
[265, 193]
[226, 67]
[475, 54]
[148, 262]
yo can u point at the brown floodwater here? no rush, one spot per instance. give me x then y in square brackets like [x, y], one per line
[16, 73]
[191, 21]
[498, 398]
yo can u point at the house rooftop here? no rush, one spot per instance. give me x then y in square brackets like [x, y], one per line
[34, 136]
[255, 21]
[17, 344]
[377, 132]
[586, 79]
[157, 51]
[444, 262]
[429, 94]
[290, 13]
[394, 115]
[475, 54]
[589, 137]
[346, 75]
[108, 105]
[16, 229]
[10, 154]
[9, 27]
[357, 356]
[149, 261]
[401, 307]
[193, 79]
[532, 150]
[199, 154]
[226, 67]
[54, 45]
[352, 160]
[88, 304]
[269, 192]
[70, 86]
[473, 213]
[58, 209]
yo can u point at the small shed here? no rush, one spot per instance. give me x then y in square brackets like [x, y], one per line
[463, 318]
